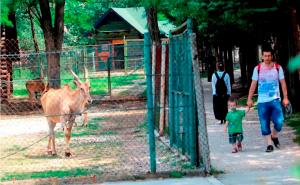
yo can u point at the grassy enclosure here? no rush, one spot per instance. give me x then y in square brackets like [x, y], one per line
[96, 149]
[113, 146]
[99, 85]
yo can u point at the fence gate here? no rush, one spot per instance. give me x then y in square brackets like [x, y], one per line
[186, 126]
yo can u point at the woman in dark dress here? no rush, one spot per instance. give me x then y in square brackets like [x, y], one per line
[220, 95]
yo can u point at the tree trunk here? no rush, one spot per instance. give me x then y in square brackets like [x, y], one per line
[153, 25]
[156, 42]
[249, 58]
[53, 36]
[229, 63]
[295, 81]
[9, 46]
[36, 46]
[243, 67]
[35, 43]
[12, 48]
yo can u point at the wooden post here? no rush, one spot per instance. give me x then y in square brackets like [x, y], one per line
[202, 128]
[162, 90]
[153, 75]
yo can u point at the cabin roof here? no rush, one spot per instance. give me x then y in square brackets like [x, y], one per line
[136, 17]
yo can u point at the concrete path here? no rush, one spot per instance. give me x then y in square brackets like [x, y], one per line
[181, 181]
[251, 166]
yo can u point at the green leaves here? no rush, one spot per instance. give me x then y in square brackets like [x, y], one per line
[5, 10]
[212, 17]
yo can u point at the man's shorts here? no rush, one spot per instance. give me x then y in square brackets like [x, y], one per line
[270, 111]
[233, 138]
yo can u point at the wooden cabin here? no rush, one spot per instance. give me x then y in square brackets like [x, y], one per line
[119, 34]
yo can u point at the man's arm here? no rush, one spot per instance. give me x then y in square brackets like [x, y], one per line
[285, 100]
[251, 93]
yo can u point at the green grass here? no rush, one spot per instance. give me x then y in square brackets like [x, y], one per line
[48, 174]
[243, 101]
[204, 74]
[99, 86]
[142, 126]
[94, 126]
[176, 174]
[294, 123]
[14, 148]
[215, 171]
[109, 132]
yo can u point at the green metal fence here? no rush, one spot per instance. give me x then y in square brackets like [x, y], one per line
[182, 97]
[186, 124]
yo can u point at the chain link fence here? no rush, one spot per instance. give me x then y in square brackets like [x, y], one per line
[115, 143]
[175, 99]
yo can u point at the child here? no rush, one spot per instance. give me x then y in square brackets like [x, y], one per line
[234, 125]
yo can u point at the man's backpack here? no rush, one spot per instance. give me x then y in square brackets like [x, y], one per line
[221, 88]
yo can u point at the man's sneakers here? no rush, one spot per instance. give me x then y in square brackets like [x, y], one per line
[270, 148]
[276, 142]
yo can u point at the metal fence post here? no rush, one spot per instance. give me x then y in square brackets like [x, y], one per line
[171, 94]
[192, 126]
[108, 75]
[150, 119]
[202, 128]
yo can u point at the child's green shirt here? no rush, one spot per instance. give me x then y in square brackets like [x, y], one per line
[235, 119]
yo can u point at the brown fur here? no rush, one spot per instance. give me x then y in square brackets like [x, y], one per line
[62, 106]
[33, 87]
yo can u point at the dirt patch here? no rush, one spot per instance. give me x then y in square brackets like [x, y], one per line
[114, 146]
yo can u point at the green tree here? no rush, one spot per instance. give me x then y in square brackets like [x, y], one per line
[151, 7]
[50, 15]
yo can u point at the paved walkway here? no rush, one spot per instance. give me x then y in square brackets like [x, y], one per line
[253, 165]
[180, 181]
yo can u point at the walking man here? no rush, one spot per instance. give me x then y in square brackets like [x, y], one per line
[268, 74]
[221, 90]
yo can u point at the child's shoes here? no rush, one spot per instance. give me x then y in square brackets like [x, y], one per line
[234, 150]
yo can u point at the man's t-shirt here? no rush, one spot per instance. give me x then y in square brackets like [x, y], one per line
[268, 83]
[235, 119]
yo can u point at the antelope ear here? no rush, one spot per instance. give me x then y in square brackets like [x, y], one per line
[76, 83]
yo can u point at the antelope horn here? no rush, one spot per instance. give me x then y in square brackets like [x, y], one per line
[86, 73]
[75, 76]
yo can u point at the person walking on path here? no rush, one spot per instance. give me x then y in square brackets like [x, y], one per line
[221, 90]
[234, 125]
[268, 75]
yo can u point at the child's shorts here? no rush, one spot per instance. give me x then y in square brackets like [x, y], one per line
[233, 138]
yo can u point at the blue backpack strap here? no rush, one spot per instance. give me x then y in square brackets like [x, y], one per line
[217, 76]
[224, 73]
